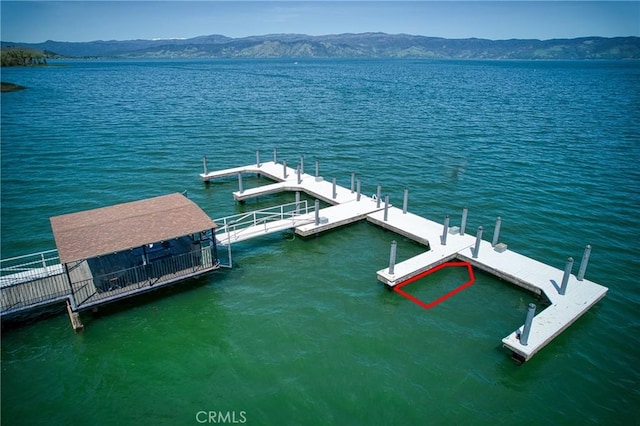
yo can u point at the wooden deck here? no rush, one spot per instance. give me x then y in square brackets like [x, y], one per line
[505, 264]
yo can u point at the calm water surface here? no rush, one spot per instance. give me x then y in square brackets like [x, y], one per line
[300, 331]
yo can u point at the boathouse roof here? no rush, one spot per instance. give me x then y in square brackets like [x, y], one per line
[111, 229]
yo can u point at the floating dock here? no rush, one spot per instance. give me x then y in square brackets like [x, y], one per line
[569, 295]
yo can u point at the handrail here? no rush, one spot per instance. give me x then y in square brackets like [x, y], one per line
[238, 223]
[40, 261]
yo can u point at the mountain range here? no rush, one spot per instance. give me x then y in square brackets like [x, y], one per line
[366, 45]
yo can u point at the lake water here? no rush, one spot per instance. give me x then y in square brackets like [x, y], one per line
[300, 331]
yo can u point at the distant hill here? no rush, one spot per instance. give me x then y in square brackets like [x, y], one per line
[367, 45]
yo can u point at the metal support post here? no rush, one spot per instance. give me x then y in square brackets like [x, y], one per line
[585, 261]
[358, 190]
[405, 201]
[567, 274]
[476, 250]
[317, 212]
[378, 195]
[445, 231]
[386, 207]
[392, 257]
[204, 164]
[298, 172]
[524, 337]
[302, 164]
[275, 155]
[353, 182]
[463, 224]
[258, 157]
[317, 169]
[284, 169]
[496, 232]
[297, 202]
[334, 193]
[240, 187]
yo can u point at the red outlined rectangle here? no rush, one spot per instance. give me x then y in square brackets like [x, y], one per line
[398, 288]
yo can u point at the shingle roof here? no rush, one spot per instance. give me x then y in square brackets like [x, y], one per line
[92, 233]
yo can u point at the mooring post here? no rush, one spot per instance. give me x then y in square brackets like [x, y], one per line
[358, 190]
[353, 182]
[386, 207]
[405, 201]
[275, 155]
[297, 202]
[392, 257]
[317, 212]
[284, 169]
[463, 224]
[240, 187]
[204, 164]
[445, 230]
[524, 337]
[302, 164]
[378, 195]
[317, 169]
[567, 274]
[334, 193]
[496, 232]
[258, 157]
[585, 261]
[478, 239]
[298, 172]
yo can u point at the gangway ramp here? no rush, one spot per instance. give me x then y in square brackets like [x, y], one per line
[244, 226]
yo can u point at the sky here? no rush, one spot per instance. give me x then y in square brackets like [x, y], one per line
[37, 21]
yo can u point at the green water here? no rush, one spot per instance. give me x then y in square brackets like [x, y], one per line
[300, 331]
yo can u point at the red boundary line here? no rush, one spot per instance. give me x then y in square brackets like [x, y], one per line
[398, 288]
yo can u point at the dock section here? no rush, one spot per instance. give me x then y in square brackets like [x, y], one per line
[569, 296]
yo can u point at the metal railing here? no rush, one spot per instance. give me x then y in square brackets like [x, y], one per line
[117, 284]
[29, 267]
[234, 226]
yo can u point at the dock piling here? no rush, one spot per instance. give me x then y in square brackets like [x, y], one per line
[478, 240]
[335, 192]
[405, 201]
[75, 318]
[445, 230]
[353, 181]
[299, 176]
[386, 207]
[302, 164]
[258, 158]
[585, 261]
[567, 274]
[496, 232]
[275, 155]
[298, 202]
[317, 212]
[358, 190]
[392, 257]
[284, 169]
[378, 195]
[204, 164]
[240, 186]
[524, 337]
[463, 224]
[317, 169]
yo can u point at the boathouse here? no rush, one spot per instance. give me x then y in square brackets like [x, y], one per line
[122, 250]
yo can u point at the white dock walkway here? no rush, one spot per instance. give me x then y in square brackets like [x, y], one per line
[510, 266]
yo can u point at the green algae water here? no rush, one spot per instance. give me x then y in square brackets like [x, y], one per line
[300, 331]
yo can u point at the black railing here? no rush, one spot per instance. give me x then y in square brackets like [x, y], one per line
[132, 280]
